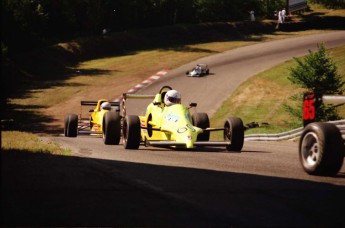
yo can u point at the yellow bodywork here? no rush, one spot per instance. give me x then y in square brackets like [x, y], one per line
[168, 123]
[96, 117]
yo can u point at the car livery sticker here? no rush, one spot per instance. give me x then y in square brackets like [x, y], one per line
[143, 123]
[172, 117]
[184, 129]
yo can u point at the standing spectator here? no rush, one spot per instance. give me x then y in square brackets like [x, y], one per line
[252, 15]
[279, 19]
[283, 15]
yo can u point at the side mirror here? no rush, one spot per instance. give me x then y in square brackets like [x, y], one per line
[193, 105]
[91, 110]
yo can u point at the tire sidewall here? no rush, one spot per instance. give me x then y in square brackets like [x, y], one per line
[202, 121]
[111, 128]
[237, 133]
[330, 147]
[131, 132]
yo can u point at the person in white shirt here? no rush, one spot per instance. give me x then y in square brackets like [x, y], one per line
[279, 19]
[252, 15]
[283, 15]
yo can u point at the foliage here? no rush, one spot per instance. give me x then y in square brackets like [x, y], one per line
[317, 74]
[31, 23]
[331, 4]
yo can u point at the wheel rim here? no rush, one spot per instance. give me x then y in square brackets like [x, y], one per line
[124, 131]
[310, 149]
[227, 131]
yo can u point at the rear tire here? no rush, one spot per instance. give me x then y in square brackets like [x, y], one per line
[234, 131]
[321, 149]
[111, 128]
[71, 125]
[202, 121]
[131, 132]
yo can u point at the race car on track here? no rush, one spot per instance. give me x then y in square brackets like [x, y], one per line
[168, 123]
[322, 144]
[93, 124]
[199, 70]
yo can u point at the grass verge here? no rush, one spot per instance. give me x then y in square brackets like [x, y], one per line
[16, 141]
[261, 98]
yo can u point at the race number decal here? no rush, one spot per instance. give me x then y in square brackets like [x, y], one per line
[310, 106]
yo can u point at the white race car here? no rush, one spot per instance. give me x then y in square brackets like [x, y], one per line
[199, 70]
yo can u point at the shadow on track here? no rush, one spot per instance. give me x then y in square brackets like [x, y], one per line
[50, 190]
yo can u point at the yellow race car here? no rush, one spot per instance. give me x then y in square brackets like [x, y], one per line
[168, 123]
[93, 125]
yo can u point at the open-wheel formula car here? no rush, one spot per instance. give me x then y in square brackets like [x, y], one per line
[322, 144]
[199, 70]
[172, 126]
[92, 124]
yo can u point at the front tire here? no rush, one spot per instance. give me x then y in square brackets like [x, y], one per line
[111, 128]
[321, 149]
[234, 131]
[202, 121]
[131, 132]
[71, 125]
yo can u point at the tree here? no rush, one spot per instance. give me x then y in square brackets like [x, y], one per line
[331, 4]
[317, 74]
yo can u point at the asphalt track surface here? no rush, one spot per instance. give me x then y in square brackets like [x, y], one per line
[229, 69]
[264, 185]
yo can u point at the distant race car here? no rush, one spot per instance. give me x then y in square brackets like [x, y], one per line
[93, 124]
[170, 126]
[199, 70]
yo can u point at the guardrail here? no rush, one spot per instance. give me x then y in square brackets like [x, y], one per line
[293, 134]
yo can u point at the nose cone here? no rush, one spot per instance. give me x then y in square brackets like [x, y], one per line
[190, 136]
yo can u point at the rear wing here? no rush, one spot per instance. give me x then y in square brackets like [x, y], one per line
[137, 96]
[312, 101]
[93, 103]
[96, 105]
[126, 96]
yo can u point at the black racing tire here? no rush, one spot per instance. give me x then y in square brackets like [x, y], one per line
[131, 132]
[202, 121]
[91, 123]
[234, 131]
[71, 125]
[111, 129]
[207, 72]
[321, 149]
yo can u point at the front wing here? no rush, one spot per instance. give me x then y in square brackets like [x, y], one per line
[171, 143]
[180, 144]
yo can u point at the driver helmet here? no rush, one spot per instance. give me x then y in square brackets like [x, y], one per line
[105, 106]
[172, 97]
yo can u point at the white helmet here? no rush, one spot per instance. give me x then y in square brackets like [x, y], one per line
[106, 106]
[172, 97]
